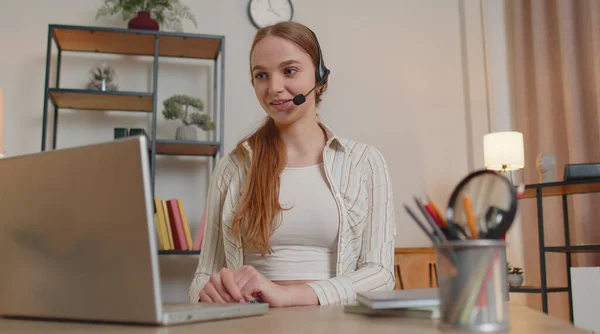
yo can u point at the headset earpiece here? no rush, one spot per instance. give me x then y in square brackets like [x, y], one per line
[322, 72]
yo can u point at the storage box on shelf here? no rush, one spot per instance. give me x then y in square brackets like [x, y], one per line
[155, 44]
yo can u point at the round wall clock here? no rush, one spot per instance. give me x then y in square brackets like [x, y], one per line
[266, 12]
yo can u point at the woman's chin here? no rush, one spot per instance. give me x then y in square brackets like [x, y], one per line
[284, 117]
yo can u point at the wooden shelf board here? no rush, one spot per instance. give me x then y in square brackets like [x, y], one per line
[414, 250]
[134, 42]
[99, 100]
[563, 188]
[178, 147]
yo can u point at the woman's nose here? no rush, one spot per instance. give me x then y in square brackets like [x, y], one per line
[275, 84]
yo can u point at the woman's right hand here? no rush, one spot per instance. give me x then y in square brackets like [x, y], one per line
[221, 288]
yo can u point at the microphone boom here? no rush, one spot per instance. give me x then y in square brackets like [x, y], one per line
[301, 98]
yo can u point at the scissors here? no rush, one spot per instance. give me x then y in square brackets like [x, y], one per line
[482, 206]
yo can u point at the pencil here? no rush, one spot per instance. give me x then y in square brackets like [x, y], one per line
[438, 213]
[433, 214]
[470, 217]
[433, 238]
[430, 220]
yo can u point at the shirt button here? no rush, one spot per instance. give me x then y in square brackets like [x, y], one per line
[344, 213]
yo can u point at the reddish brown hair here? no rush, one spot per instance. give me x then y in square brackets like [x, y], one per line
[259, 203]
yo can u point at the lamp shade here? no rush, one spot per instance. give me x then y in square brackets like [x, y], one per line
[504, 150]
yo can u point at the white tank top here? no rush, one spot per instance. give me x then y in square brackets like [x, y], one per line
[304, 242]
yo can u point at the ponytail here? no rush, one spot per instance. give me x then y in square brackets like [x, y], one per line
[259, 202]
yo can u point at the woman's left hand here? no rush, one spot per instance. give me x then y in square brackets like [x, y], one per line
[254, 285]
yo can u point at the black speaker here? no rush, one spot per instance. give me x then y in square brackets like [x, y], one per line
[582, 171]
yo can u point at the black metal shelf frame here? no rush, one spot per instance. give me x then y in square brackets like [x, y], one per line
[178, 252]
[573, 249]
[218, 76]
[537, 290]
[567, 249]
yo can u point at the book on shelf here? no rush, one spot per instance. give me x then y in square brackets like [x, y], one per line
[163, 227]
[168, 224]
[176, 225]
[186, 225]
[172, 226]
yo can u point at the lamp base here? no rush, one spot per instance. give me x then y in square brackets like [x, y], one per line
[505, 170]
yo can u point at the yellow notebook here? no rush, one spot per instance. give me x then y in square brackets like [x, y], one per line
[160, 239]
[168, 224]
[160, 225]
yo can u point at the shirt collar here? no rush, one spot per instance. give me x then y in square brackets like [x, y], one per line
[331, 137]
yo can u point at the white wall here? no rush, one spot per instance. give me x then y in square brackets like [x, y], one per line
[407, 77]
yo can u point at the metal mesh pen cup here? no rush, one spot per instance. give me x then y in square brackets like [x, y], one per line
[473, 285]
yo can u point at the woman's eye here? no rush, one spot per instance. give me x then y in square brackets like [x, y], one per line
[290, 71]
[260, 76]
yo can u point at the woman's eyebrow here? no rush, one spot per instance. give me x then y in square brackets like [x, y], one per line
[282, 64]
[289, 62]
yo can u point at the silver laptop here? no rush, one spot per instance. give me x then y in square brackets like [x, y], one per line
[78, 239]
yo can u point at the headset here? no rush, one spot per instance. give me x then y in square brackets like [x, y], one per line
[321, 73]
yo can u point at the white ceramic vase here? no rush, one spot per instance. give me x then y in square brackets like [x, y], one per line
[186, 132]
[515, 281]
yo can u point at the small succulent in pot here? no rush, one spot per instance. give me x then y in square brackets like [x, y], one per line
[515, 276]
[177, 107]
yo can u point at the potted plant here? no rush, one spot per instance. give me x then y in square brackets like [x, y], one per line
[515, 276]
[149, 14]
[177, 107]
[102, 77]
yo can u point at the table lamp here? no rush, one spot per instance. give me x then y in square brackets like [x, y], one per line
[504, 151]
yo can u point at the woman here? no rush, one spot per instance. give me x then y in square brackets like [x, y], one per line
[296, 215]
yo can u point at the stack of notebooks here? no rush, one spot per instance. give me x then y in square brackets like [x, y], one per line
[412, 303]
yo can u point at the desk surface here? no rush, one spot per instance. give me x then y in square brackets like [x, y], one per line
[323, 319]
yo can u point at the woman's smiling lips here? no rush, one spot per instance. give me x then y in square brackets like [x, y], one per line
[281, 104]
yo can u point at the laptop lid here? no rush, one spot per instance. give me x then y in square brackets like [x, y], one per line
[77, 237]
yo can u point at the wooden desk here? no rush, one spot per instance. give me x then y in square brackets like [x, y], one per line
[300, 320]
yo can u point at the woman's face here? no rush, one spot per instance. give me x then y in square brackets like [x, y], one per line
[280, 71]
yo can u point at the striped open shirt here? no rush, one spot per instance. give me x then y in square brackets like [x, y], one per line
[359, 178]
